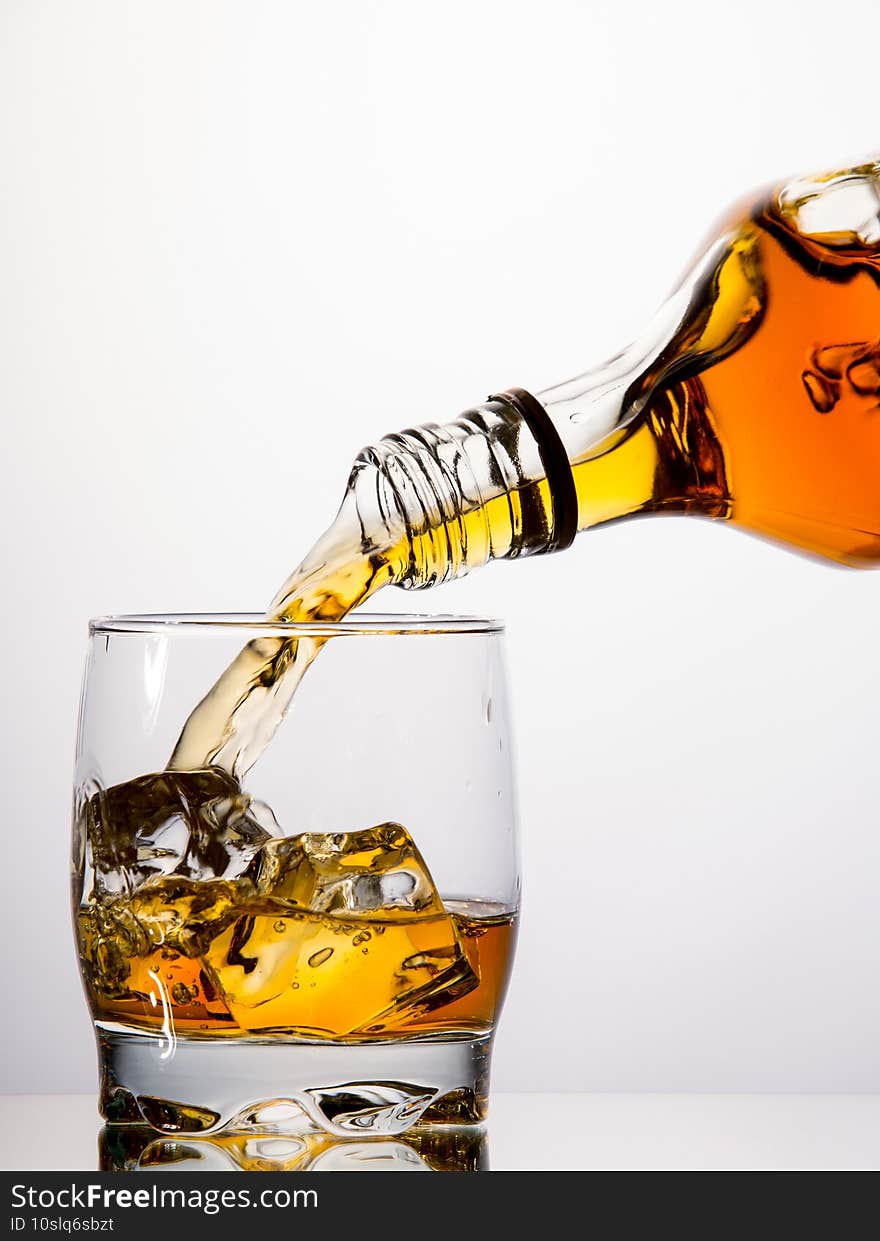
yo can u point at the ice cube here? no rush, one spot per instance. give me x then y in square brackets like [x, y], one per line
[193, 824]
[347, 936]
[351, 874]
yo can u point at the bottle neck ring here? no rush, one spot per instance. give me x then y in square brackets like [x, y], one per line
[554, 459]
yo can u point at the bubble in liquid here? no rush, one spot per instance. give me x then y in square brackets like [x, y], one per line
[318, 958]
[181, 994]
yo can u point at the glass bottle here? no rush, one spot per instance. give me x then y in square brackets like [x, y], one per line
[753, 397]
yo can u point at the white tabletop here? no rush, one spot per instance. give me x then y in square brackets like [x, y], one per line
[557, 1132]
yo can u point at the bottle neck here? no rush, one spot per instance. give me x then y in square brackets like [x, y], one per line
[500, 482]
[522, 474]
[506, 479]
[483, 487]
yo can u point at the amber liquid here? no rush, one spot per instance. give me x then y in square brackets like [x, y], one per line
[201, 920]
[326, 973]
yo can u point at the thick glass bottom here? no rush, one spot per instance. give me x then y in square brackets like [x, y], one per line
[203, 1086]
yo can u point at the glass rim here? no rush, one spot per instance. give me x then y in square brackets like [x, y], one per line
[361, 624]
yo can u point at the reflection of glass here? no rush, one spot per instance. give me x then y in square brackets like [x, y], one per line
[335, 953]
[450, 1148]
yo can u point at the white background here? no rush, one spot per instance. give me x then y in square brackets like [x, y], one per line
[240, 240]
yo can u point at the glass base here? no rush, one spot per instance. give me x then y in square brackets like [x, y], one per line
[193, 1086]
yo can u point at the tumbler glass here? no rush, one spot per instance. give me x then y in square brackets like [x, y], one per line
[323, 945]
